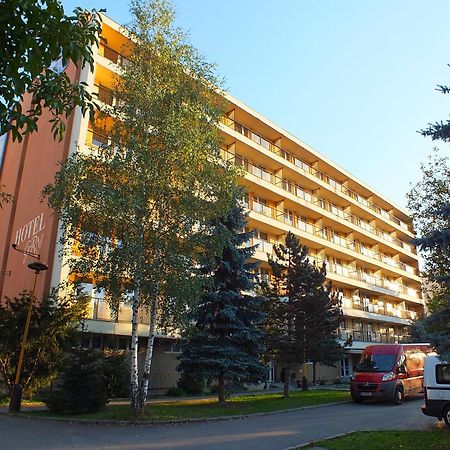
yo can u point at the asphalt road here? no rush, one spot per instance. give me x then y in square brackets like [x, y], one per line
[269, 432]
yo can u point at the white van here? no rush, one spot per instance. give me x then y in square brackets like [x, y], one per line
[436, 378]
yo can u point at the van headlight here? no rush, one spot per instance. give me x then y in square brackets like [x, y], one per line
[388, 376]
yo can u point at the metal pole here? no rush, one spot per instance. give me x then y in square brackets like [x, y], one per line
[25, 331]
[16, 392]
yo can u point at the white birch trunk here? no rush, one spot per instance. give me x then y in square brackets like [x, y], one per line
[134, 375]
[145, 383]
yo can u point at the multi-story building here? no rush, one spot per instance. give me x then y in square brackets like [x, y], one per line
[364, 239]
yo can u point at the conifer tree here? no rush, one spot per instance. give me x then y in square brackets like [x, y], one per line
[429, 202]
[301, 316]
[226, 341]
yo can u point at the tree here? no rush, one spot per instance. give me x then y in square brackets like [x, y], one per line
[139, 209]
[322, 318]
[302, 316]
[53, 323]
[436, 327]
[83, 385]
[429, 201]
[426, 200]
[226, 341]
[38, 40]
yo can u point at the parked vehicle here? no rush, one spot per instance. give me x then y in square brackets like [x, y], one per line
[389, 372]
[437, 388]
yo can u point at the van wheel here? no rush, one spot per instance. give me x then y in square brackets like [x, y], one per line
[447, 416]
[398, 396]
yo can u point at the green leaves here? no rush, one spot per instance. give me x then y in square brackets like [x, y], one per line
[34, 35]
[52, 326]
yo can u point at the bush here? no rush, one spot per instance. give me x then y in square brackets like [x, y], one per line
[82, 388]
[116, 367]
[175, 392]
[229, 388]
[191, 385]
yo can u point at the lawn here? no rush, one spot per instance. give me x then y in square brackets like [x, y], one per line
[207, 408]
[389, 440]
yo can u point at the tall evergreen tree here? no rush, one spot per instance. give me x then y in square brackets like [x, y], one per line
[436, 327]
[322, 318]
[301, 316]
[429, 202]
[226, 342]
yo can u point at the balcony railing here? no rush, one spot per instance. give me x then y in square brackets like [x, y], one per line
[99, 310]
[357, 273]
[292, 188]
[376, 308]
[373, 336]
[112, 55]
[301, 165]
[104, 94]
[324, 233]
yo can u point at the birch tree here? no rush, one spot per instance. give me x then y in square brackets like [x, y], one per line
[139, 208]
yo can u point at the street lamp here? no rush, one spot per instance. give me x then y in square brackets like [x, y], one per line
[16, 393]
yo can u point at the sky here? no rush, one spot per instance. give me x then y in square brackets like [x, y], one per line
[353, 79]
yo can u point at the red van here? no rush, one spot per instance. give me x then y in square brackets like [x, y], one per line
[389, 372]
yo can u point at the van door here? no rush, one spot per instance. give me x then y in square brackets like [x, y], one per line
[402, 374]
[414, 366]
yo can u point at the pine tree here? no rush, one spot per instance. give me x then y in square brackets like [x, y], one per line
[301, 316]
[429, 201]
[437, 325]
[322, 318]
[226, 342]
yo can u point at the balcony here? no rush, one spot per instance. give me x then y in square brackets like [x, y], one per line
[262, 245]
[292, 188]
[99, 309]
[305, 167]
[372, 336]
[104, 94]
[377, 308]
[324, 233]
[370, 279]
[112, 55]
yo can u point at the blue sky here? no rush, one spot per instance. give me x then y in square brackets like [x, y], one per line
[354, 79]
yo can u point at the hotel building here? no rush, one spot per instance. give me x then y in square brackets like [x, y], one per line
[364, 239]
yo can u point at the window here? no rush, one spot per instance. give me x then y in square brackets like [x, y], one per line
[262, 235]
[264, 275]
[443, 373]
[289, 217]
[172, 347]
[345, 368]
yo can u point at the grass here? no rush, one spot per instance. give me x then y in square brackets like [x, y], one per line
[388, 440]
[207, 408]
[25, 402]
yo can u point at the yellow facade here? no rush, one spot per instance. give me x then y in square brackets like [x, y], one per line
[364, 238]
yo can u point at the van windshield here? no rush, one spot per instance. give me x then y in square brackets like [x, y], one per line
[376, 363]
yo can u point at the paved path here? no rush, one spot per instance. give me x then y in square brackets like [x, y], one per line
[270, 432]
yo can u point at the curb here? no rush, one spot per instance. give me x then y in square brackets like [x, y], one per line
[311, 444]
[166, 422]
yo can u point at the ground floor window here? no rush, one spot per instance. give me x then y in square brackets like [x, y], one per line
[345, 368]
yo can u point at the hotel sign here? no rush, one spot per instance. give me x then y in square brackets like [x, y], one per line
[32, 234]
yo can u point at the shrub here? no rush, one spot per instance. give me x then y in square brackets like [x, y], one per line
[191, 385]
[116, 367]
[175, 392]
[82, 386]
